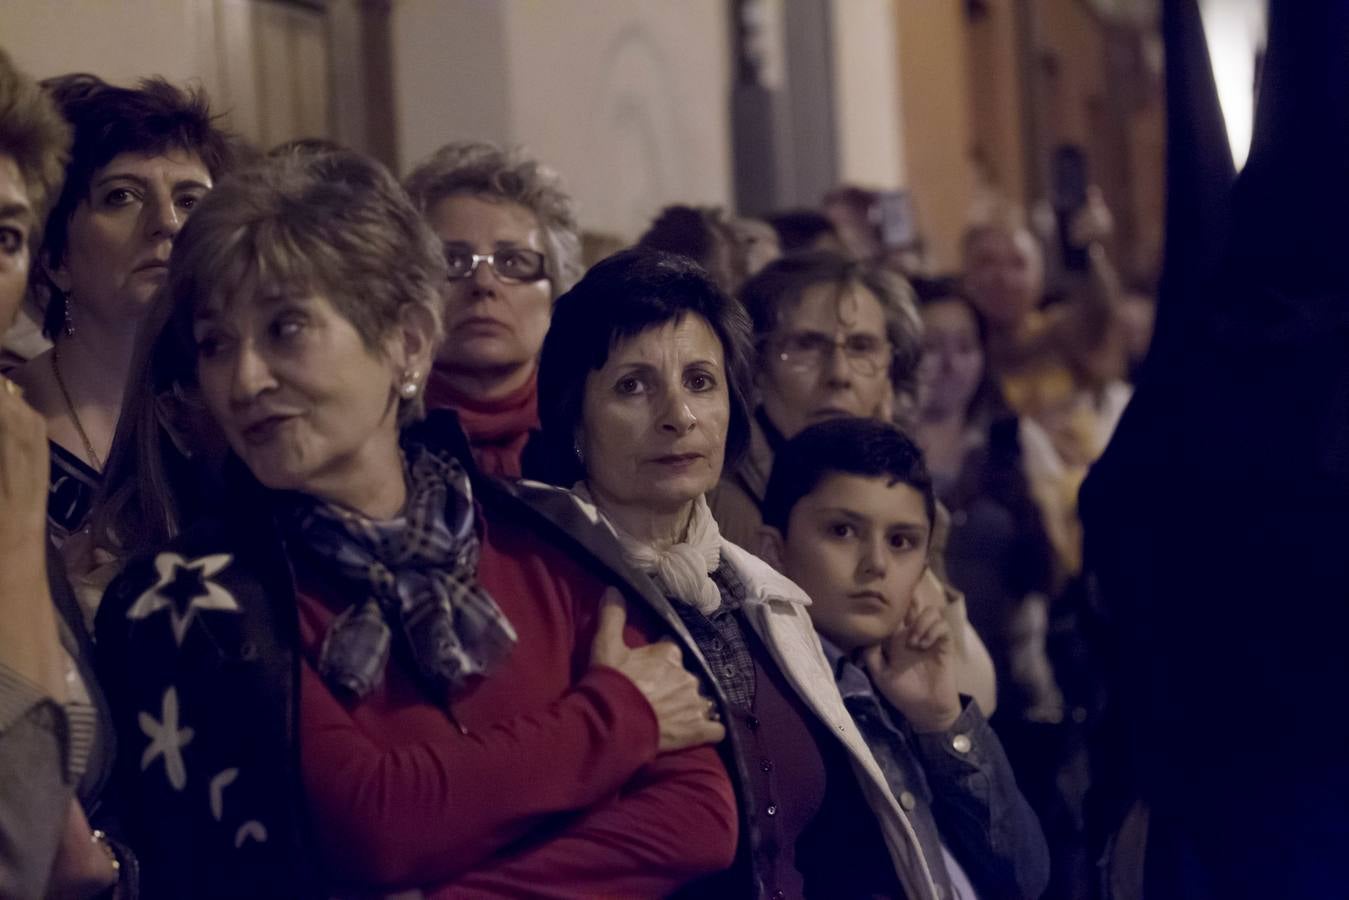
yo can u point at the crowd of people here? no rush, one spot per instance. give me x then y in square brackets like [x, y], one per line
[367, 539]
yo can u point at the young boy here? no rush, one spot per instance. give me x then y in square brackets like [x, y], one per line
[847, 516]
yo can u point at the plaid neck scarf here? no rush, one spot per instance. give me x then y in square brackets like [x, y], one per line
[418, 575]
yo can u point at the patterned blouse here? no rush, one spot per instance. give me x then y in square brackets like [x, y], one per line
[70, 493]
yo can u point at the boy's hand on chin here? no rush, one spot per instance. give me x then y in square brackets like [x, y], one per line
[914, 669]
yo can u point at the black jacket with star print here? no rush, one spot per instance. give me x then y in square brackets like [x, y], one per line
[197, 649]
[196, 653]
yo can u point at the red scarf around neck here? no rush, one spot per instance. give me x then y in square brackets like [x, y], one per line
[497, 429]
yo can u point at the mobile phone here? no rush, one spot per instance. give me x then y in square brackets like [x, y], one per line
[1070, 178]
[897, 221]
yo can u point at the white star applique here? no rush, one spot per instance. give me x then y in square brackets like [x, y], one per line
[252, 830]
[218, 784]
[184, 586]
[167, 740]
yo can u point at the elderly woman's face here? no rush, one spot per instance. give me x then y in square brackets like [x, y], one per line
[299, 396]
[1004, 275]
[829, 357]
[16, 222]
[121, 234]
[654, 419]
[493, 322]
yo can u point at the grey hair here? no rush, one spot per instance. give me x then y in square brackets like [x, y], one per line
[783, 282]
[477, 169]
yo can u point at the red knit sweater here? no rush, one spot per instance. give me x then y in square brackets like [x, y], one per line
[542, 780]
[497, 430]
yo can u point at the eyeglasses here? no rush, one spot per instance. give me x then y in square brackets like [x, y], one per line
[866, 354]
[510, 264]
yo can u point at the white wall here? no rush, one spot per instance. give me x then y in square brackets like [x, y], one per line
[866, 93]
[118, 41]
[212, 43]
[626, 99]
[641, 118]
[449, 75]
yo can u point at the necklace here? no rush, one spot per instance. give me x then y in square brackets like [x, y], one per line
[74, 416]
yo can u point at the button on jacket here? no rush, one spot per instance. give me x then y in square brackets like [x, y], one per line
[956, 786]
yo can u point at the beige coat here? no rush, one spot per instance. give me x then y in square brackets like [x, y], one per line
[777, 610]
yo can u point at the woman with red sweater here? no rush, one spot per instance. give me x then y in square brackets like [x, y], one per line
[511, 248]
[377, 671]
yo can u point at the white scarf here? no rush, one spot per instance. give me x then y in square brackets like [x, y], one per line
[683, 571]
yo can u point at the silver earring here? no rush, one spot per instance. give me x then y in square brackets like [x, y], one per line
[576, 448]
[69, 326]
[409, 387]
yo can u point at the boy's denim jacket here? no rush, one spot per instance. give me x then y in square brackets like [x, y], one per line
[957, 787]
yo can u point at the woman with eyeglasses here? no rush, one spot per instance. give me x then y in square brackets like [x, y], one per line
[512, 246]
[366, 670]
[836, 338]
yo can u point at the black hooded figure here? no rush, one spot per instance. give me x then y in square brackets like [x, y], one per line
[1217, 521]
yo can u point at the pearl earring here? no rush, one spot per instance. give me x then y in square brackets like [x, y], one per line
[408, 389]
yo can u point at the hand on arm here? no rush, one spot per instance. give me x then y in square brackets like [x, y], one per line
[657, 670]
[672, 822]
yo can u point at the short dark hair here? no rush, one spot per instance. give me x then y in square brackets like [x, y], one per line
[620, 297]
[701, 233]
[782, 283]
[107, 121]
[867, 448]
[306, 146]
[799, 229]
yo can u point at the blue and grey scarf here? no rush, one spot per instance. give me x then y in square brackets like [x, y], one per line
[418, 577]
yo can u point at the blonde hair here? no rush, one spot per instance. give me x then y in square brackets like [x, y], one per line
[337, 223]
[35, 135]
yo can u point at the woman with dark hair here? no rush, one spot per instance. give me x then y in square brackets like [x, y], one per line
[805, 230]
[998, 552]
[729, 249]
[644, 379]
[374, 670]
[140, 161]
[834, 338]
[55, 738]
